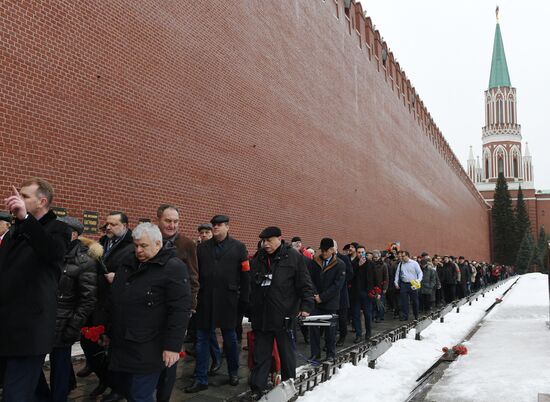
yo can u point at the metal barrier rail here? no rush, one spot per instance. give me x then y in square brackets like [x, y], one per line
[310, 376]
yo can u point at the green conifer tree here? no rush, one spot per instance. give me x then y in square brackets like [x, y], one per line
[526, 253]
[542, 251]
[503, 221]
[522, 220]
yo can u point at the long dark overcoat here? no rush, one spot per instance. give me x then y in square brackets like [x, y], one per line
[30, 267]
[224, 283]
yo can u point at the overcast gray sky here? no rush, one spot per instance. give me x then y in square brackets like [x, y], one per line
[445, 48]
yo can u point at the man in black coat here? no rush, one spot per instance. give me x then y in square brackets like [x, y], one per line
[30, 266]
[224, 291]
[117, 244]
[344, 297]
[149, 310]
[327, 272]
[281, 290]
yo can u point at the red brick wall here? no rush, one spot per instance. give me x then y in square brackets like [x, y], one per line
[270, 112]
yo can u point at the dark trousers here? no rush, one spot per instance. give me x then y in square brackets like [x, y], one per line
[379, 312]
[263, 349]
[166, 382]
[408, 295]
[362, 304]
[60, 377]
[393, 301]
[315, 335]
[138, 387]
[449, 292]
[425, 302]
[343, 322]
[96, 360]
[230, 347]
[21, 377]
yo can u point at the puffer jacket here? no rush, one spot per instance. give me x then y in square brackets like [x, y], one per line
[77, 291]
[429, 278]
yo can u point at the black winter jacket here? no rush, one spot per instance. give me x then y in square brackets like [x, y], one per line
[449, 276]
[77, 291]
[290, 290]
[149, 310]
[344, 295]
[327, 281]
[30, 267]
[380, 275]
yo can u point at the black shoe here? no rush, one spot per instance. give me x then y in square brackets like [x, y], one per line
[215, 367]
[357, 339]
[196, 387]
[341, 341]
[112, 397]
[84, 371]
[233, 380]
[100, 389]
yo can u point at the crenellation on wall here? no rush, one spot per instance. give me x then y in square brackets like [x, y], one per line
[396, 78]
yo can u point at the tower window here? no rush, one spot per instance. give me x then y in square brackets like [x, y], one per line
[515, 166]
[486, 168]
[500, 162]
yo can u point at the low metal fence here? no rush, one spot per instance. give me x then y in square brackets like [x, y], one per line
[309, 376]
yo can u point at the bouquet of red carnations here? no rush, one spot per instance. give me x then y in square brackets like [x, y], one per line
[457, 350]
[92, 333]
[374, 294]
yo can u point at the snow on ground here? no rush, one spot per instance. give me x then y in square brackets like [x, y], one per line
[508, 357]
[397, 369]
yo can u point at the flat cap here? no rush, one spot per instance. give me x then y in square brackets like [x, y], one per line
[5, 216]
[204, 226]
[326, 243]
[73, 223]
[219, 219]
[270, 231]
[424, 254]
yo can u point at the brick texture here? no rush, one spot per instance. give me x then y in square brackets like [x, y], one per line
[277, 113]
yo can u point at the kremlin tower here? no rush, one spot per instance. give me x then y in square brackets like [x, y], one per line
[502, 150]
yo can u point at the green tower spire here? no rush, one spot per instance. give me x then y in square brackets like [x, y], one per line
[499, 68]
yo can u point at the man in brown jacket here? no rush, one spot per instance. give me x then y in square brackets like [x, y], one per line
[168, 223]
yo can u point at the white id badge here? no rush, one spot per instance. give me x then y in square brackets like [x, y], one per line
[267, 280]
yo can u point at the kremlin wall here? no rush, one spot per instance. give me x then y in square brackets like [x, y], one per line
[283, 113]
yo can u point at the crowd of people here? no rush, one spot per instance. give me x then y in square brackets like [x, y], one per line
[133, 296]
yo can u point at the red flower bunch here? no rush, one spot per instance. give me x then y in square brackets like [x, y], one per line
[182, 355]
[460, 350]
[457, 350]
[92, 333]
[374, 292]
